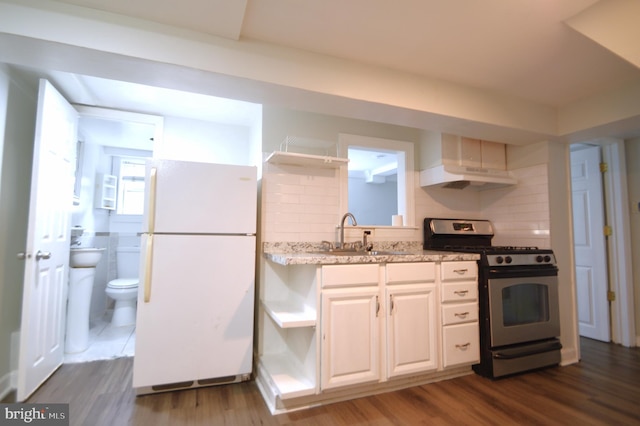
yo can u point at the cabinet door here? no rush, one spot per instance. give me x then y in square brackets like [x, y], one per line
[350, 330]
[459, 292]
[458, 271]
[417, 272]
[460, 344]
[350, 275]
[411, 330]
[470, 152]
[494, 155]
[458, 313]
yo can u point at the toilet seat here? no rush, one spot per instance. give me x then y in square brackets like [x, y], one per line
[121, 283]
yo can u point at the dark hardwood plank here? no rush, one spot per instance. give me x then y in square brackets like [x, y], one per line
[603, 389]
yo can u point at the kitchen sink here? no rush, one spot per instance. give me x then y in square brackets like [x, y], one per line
[361, 253]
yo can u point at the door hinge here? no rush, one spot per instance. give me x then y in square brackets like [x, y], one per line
[611, 296]
[604, 167]
[608, 231]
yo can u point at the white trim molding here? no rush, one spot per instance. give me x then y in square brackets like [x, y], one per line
[619, 246]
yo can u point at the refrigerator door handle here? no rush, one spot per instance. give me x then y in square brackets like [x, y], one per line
[148, 264]
[153, 180]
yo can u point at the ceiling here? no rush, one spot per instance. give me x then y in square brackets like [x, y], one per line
[529, 49]
[522, 48]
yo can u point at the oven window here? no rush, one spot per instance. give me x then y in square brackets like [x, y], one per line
[525, 304]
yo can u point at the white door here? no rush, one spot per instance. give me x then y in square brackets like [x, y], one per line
[47, 251]
[590, 244]
[349, 353]
[411, 328]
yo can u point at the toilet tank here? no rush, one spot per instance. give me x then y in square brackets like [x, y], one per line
[127, 262]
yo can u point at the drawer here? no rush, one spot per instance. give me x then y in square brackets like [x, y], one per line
[457, 271]
[460, 292]
[411, 272]
[350, 275]
[460, 344]
[459, 313]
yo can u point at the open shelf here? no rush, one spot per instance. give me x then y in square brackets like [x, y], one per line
[303, 151]
[298, 159]
[286, 375]
[289, 315]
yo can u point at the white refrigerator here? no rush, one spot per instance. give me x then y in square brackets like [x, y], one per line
[197, 276]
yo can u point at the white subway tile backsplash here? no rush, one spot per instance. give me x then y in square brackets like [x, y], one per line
[300, 204]
[520, 214]
[288, 188]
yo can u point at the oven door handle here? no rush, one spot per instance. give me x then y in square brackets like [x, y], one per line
[552, 346]
[522, 271]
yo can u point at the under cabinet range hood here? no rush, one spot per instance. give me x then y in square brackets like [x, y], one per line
[461, 177]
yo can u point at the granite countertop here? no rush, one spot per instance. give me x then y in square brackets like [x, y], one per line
[311, 254]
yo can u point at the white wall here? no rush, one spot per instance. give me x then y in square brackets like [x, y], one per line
[632, 152]
[17, 123]
[364, 201]
[209, 142]
[84, 214]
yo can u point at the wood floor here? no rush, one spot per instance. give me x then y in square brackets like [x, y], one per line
[603, 389]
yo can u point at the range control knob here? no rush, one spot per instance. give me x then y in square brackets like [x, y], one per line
[547, 258]
[499, 260]
[508, 259]
[539, 258]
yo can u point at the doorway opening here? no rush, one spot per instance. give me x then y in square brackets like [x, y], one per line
[616, 249]
[115, 144]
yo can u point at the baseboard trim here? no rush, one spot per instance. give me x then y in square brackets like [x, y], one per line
[568, 356]
[7, 383]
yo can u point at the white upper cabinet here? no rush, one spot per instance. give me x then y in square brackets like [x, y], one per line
[468, 152]
[457, 151]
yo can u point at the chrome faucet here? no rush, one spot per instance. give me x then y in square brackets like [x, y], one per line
[344, 218]
[366, 246]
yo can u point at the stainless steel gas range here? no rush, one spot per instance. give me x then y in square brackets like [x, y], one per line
[518, 297]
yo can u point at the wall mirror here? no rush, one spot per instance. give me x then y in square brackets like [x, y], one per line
[379, 181]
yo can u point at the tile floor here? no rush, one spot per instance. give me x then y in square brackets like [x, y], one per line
[105, 342]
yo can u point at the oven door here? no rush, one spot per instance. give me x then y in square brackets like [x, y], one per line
[523, 309]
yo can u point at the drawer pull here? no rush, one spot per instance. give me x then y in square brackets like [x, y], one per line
[461, 271]
[463, 347]
[461, 315]
[461, 292]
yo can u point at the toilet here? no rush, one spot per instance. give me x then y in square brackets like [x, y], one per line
[124, 289]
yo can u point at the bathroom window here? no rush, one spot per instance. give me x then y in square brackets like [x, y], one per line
[130, 172]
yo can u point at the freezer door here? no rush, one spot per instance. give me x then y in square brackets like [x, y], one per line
[200, 198]
[197, 320]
